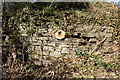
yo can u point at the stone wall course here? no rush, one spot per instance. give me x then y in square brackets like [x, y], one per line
[87, 41]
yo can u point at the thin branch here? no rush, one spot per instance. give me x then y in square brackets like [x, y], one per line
[98, 45]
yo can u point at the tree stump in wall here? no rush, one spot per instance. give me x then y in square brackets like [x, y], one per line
[58, 34]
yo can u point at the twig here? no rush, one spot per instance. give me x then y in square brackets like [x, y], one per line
[23, 50]
[82, 74]
[51, 5]
[41, 51]
[98, 45]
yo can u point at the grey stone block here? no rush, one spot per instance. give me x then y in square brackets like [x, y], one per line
[46, 48]
[40, 38]
[55, 54]
[46, 62]
[38, 62]
[65, 50]
[70, 55]
[58, 49]
[41, 30]
[33, 39]
[89, 35]
[46, 53]
[51, 48]
[72, 51]
[36, 44]
[93, 40]
[37, 47]
[70, 27]
[87, 28]
[63, 45]
[74, 45]
[52, 44]
[80, 29]
[104, 34]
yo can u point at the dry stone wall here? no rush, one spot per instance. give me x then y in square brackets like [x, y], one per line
[46, 46]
